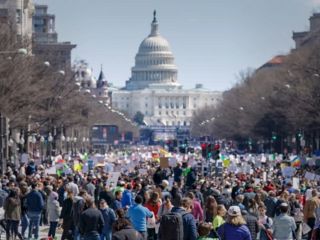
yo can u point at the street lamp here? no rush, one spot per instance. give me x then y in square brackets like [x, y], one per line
[75, 146]
[63, 138]
[41, 147]
[34, 141]
[50, 139]
[68, 140]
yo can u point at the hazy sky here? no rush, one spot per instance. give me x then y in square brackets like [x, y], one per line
[212, 40]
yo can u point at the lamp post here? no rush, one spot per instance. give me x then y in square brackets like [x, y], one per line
[75, 146]
[50, 139]
[22, 142]
[41, 148]
[34, 141]
[68, 140]
[63, 139]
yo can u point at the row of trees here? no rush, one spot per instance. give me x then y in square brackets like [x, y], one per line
[277, 102]
[36, 97]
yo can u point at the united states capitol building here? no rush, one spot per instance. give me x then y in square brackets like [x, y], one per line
[154, 90]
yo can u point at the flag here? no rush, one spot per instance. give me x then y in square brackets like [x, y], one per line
[295, 161]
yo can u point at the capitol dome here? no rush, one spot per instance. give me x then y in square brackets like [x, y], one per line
[154, 62]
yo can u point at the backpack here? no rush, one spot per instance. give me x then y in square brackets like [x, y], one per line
[171, 226]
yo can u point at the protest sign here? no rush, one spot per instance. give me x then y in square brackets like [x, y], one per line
[288, 171]
[172, 162]
[310, 176]
[164, 162]
[296, 183]
[51, 171]
[113, 179]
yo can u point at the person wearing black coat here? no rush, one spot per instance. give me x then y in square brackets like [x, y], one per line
[66, 216]
[122, 228]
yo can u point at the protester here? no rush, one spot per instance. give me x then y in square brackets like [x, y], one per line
[153, 205]
[265, 224]
[12, 214]
[66, 216]
[123, 230]
[165, 207]
[204, 231]
[235, 227]
[284, 226]
[109, 218]
[310, 210]
[91, 221]
[35, 204]
[251, 222]
[189, 222]
[127, 197]
[53, 209]
[138, 215]
[210, 209]
[78, 206]
[219, 218]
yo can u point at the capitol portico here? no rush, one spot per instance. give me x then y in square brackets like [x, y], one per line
[153, 88]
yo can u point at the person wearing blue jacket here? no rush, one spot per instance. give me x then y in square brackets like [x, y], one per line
[189, 223]
[138, 215]
[127, 198]
[34, 204]
[235, 227]
[109, 218]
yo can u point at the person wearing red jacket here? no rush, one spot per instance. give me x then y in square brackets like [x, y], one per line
[153, 204]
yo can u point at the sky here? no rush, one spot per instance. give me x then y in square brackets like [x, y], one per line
[212, 40]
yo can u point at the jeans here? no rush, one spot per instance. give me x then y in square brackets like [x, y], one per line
[12, 229]
[76, 234]
[144, 235]
[311, 222]
[34, 218]
[24, 224]
[152, 234]
[106, 236]
[52, 229]
[91, 237]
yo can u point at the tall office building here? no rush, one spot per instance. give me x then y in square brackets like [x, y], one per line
[45, 40]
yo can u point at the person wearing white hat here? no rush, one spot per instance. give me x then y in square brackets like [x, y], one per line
[235, 227]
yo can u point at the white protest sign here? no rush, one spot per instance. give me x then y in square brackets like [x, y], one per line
[143, 171]
[113, 179]
[310, 176]
[264, 176]
[288, 171]
[172, 162]
[51, 171]
[317, 178]
[296, 183]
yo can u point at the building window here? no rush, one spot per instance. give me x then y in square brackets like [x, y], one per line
[3, 12]
[184, 123]
[184, 106]
[160, 106]
[146, 104]
[127, 105]
[184, 113]
[167, 113]
[18, 15]
[146, 112]
[159, 112]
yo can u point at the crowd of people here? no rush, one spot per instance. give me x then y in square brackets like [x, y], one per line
[167, 203]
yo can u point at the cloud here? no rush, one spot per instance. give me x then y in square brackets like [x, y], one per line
[315, 2]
